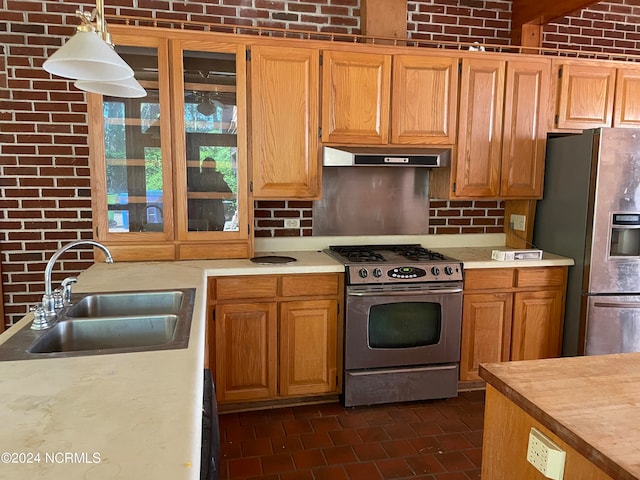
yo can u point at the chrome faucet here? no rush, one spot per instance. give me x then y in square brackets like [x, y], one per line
[45, 314]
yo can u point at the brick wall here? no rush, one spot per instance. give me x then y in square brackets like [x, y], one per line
[610, 27]
[484, 21]
[44, 176]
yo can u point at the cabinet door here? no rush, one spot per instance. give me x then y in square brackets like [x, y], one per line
[525, 128]
[131, 169]
[355, 97]
[308, 340]
[424, 100]
[210, 139]
[626, 110]
[284, 121]
[537, 325]
[586, 96]
[486, 331]
[246, 351]
[480, 128]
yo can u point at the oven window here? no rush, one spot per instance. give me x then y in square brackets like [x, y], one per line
[404, 325]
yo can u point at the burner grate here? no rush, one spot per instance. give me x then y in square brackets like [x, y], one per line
[359, 254]
[417, 253]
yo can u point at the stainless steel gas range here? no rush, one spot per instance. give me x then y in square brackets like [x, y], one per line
[403, 321]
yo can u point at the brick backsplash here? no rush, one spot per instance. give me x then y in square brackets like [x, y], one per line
[445, 216]
[44, 166]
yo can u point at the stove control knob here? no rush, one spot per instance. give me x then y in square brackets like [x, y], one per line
[435, 270]
[448, 270]
[377, 273]
[363, 273]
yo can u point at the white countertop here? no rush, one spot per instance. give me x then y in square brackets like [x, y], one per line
[139, 413]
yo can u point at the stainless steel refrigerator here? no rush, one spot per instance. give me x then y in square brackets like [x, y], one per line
[590, 212]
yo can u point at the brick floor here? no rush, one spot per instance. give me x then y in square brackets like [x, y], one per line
[430, 440]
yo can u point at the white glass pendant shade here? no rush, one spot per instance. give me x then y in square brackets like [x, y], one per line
[127, 88]
[86, 56]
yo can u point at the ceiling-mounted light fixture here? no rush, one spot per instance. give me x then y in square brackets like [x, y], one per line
[90, 59]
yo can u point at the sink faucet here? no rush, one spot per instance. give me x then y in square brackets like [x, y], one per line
[47, 314]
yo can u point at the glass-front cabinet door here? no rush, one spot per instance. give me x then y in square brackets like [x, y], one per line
[210, 142]
[169, 170]
[131, 167]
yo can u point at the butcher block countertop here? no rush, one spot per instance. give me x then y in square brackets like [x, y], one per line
[591, 403]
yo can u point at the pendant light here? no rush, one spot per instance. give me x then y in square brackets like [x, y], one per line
[90, 59]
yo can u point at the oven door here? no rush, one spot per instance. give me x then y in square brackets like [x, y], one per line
[402, 325]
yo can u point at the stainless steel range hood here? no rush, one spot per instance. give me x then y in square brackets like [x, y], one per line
[385, 156]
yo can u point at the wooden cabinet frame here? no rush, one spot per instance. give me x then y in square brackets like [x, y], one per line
[275, 336]
[511, 314]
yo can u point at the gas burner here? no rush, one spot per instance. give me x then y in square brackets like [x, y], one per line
[418, 253]
[359, 254]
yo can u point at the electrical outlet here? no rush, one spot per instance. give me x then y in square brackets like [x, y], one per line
[518, 222]
[291, 223]
[546, 456]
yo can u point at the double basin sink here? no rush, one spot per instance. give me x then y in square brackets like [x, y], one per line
[109, 322]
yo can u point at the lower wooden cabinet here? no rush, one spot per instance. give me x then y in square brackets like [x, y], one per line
[511, 314]
[275, 336]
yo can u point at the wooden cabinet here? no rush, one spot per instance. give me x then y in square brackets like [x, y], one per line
[246, 351]
[626, 108]
[592, 94]
[355, 97]
[169, 171]
[477, 167]
[366, 96]
[275, 336]
[424, 100]
[511, 314]
[502, 122]
[585, 94]
[284, 122]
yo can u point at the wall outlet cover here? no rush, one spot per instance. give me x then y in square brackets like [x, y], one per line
[547, 457]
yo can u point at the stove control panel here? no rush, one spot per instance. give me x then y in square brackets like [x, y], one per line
[406, 272]
[374, 274]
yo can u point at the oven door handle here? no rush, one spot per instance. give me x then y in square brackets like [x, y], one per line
[401, 293]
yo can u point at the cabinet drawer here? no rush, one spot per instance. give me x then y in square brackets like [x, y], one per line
[301, 285]
[490, 278]
[540, 277]
[259, 286]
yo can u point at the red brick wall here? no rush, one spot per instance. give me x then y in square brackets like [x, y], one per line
[610, 27]
[484, 21]
[44, 185]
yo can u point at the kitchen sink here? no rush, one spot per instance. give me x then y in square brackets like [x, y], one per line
[101, 323]
[115, 304]
[73, 335]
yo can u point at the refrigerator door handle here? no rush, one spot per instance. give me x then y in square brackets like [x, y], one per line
[617, 304]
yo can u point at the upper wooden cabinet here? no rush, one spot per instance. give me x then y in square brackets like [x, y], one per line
[593, 94]
[169, 171]
[502, 126]
[355, 97]
[524, 132]
[626, 107]
[284, 122]
[585, 94]
[424, 100]
[376, 99]
[480, 128]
